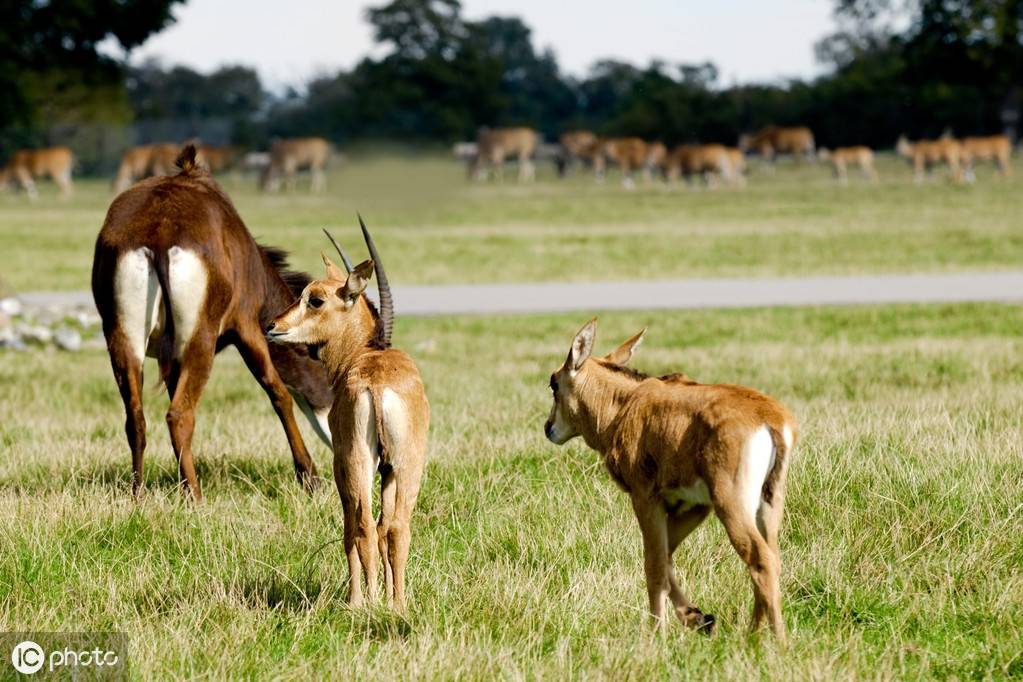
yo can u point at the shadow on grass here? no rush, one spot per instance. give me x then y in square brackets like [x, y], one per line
[294, 597]
[225, 472]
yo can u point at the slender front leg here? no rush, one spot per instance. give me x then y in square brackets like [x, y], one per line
[653, 525]
[256, 353]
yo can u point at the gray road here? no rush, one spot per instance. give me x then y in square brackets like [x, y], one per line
[501, 299]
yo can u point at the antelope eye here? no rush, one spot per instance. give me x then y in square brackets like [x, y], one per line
[315, 302]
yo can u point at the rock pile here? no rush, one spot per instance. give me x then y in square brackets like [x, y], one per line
[68, 326]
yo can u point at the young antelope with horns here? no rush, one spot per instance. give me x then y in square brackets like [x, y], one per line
[680, 449]
[378, 421]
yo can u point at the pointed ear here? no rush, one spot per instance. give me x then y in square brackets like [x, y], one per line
[333, 271]
[622, 354]
[357, 281]
[582, 345]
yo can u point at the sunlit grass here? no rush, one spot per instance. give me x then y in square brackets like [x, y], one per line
[434, 227]
[901, 545]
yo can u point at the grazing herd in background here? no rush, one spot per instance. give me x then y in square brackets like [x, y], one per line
[713, 164]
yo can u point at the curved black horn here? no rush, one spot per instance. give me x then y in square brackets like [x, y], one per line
[386, 301]
[340, 251]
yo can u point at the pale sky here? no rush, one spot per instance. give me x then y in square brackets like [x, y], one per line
[293, 41]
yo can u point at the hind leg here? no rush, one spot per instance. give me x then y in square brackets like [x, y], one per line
[128, 374]
[63, 180]
[388, 495]
[319, 179]
[399, 536]
[186, 383]
[761, 560]
[27, 183]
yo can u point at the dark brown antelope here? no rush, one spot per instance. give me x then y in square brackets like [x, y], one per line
[379, 419]
[177, 276]
[681, 449]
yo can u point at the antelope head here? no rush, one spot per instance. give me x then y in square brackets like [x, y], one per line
[334, 308]
[326, 307]
[569, 382]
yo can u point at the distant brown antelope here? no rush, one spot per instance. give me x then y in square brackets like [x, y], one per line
[680, 449]
[924, 154]
[842, 157]
[628, 153]
[217, 158]
[379, 419]
[289, 156]
[576, 146]
[773, 140]
[28, 165]
[709, 161]
[737, 161]
[177, 276]
[656, 157]
[995, 148]
[145, 161]
[495, 146]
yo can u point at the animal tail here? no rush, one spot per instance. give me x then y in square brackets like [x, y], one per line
[187, 162]
[783, 441]
[382, 440]
[165, 346]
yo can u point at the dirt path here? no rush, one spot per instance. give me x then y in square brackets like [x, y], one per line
[501, 299]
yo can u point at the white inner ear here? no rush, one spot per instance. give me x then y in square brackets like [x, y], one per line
[580, 351]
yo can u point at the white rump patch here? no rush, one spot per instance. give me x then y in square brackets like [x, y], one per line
[187, 279]
[757, 460]
[689, 496]
[137, 298]
[395, 423]
[366, 439]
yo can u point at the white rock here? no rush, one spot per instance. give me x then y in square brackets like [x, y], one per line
[11, 306]
[68, 339]
[35, 334]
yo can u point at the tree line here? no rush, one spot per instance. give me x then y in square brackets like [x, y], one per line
[918, 67]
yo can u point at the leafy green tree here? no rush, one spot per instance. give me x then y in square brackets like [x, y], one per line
[51, 69]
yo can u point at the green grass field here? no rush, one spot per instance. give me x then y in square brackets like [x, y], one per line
[901, 545]
[435, 228]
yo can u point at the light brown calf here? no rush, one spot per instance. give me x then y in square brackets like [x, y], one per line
[681, 449]
[842, 157]
[28, 165]
[925, 154]
[379, 419]
[995, 148]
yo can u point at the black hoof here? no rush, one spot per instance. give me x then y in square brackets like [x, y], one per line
[706, 625]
